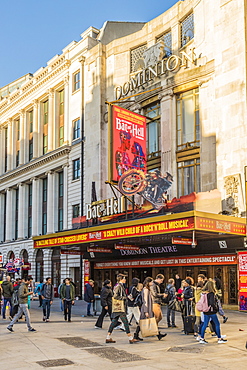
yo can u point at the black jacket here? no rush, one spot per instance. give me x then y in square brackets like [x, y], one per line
[134, 292]
[188, 292]
[89, 293]
[106, 295]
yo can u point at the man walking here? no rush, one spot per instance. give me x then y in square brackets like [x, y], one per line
[7, 291]
[47, 298]
[171, 292]
[67, 293]
[157, 297]
[23, 306]
[89, 296]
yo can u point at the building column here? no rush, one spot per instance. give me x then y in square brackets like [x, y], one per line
[50, 202]
[51, 121]
[35, 128]
[10, 154]
[66, 112]
[9, 215]
[47, 262]
[65, 196]
[2, 196]
[22, 118]
[36, 206]
[22, 211]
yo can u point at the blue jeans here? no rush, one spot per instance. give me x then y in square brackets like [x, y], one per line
[5, 301]
[170, 315]
[46, 308]
[89, 308]
[214, 318]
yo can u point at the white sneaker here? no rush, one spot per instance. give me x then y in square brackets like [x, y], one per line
[97, 327]
[198, 338]
[203, 341]
[222, 340]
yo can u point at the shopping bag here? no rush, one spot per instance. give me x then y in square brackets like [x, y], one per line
[148, 327]
[176, 305]
[118, 305]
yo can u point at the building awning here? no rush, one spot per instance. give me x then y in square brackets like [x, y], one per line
[206, 226]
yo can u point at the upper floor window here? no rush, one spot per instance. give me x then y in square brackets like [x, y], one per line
[30, 118]
[167, 40]
[76, 169]
[45, 112]
[153, 128]
[188, 122]
[76, 210]
[187, 29]
[76, 129]
[76, 81]
[136, 58]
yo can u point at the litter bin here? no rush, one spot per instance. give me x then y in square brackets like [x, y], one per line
[96, 304]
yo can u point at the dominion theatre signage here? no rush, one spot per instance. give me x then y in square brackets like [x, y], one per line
[162, 67]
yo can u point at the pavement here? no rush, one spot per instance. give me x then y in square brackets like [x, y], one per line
[78, 345]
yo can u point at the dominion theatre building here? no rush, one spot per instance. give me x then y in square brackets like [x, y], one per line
[182, 78]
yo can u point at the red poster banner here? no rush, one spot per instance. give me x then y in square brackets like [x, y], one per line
[86, 271]
[242, 275]
[228, 259]
[128, 142]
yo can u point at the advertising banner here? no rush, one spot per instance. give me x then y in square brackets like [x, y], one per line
[228, 259]
[128, 142]
[86, 271]
[242, 273]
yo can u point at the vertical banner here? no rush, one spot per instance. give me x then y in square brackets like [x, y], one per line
[127, 142]
[242, 273]
[86, 271]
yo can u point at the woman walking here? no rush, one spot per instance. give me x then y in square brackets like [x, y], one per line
[119, 313]
[106, 295]
[210, 290]
[147, 306]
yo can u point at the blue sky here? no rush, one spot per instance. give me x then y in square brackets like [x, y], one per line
[33, 31]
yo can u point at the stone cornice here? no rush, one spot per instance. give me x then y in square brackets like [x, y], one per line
[35, 163]
[34, 84]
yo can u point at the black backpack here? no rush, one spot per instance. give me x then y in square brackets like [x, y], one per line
[168, 298]
[138, 300]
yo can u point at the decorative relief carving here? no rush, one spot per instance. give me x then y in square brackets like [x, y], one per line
[233, 194]
[154, 54]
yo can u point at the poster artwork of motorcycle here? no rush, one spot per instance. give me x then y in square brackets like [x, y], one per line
[152, 186]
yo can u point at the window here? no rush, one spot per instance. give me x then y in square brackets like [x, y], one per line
[30, 120]
[16, 212]
[76, 129]
[30, 194]
[189, 177]
[153, 128]
[61, 117]
[187, 29]
[76, 81]
[45, 126]
[60, 201]
[76, 169]
[6, 150]
[167, 39]
[188, 123]
[188, 142]
[17, 142]
[44, 206]
[76, 210]
[136, 58]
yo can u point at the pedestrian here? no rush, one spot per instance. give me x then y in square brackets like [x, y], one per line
[157, 297]
[147, 305]
[178, 282]
[210, 290]
[187, 297]
[15, 297]
[132, 308]
[68, 297]
[197, 296]
[119, 294]
[89, 296]
[47, 299]
[23, 306]
[106, 295]
[218, 285]
[171, 292]
[59, 292]
[38, 290]
[7, 291]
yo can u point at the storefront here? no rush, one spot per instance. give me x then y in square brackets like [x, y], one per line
[187, 243]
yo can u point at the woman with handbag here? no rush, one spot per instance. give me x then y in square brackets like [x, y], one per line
[147, 309]
[119, 310]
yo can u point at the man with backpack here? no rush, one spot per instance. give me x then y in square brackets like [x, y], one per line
[171, 295]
